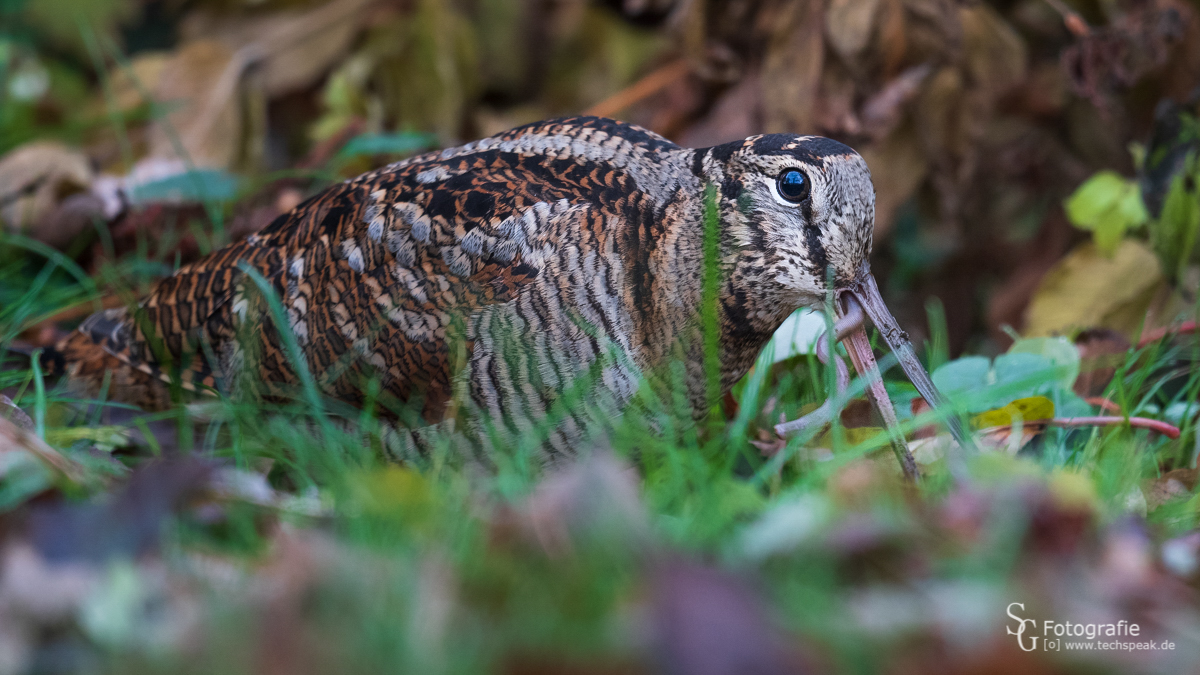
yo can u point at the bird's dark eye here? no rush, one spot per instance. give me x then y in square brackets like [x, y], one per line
[793, 185]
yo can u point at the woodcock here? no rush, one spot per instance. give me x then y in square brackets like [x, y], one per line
[494, 282]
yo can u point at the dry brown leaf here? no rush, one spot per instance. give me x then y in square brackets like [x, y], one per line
[933, 30]
[883, 111]
[892, 36]
[35, 178]
[15, 439]
[132, 82]
[996, 57]
[848, 26]
[792, 69]
[1087, 289]
[12, 413]
[898, 167]
[200, 86]
[1045, 90]
[836, 100]
[1172, 485]
[938, 111]
[292, 49]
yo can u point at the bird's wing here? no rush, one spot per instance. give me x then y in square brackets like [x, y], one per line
[374, 274]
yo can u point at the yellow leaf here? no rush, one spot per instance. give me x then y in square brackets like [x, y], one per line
[1028, 409]
[1087, 289]
[852, 436]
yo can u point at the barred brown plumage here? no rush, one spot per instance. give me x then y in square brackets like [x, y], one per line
[490, 278]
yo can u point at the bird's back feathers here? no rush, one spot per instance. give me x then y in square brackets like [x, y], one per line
[389, 275]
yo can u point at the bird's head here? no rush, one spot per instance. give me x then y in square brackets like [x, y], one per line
[801, 207]
[799, 214]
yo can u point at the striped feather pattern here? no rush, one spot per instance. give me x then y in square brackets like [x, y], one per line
[501, 280]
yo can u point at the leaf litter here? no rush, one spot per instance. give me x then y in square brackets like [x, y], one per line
[197, 542]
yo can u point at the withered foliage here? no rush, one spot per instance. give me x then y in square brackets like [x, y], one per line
[976, 118]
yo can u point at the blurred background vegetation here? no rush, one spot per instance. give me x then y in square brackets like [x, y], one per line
[977, 118]
[1036, 169]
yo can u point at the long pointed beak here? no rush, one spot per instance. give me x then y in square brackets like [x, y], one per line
[858, 345]
[866, 292]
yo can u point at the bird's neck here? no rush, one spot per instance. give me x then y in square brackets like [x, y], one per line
[685, 275]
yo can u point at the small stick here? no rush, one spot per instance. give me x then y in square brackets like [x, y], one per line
[649, 85]
[859, 348]
[824, 415]
[1160, 333]
[1071, 19]
[1102, 403]
[1166, 429]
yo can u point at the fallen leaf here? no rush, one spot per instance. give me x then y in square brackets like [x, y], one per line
[201, 86]
[1031, 409]
[736, 114]
[293, 48]
[35, 180]
[883, 111]
[1088, 289]
[14, 439]
[1059, 351]
[132, 82]
[996, 56]
[792, 69]
[848, 26]
[14, 414]
[1172, 485]
[898, 167]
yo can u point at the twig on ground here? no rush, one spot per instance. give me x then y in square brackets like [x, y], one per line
[1160, 333]
[649, 85]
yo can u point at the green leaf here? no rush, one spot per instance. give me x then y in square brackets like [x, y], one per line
[1061, 353]
[1021, 368]
[1174, 233]
[404, 143]
[1022, 375]
[975, 384]
[1107, 205]
[962, 377]
[200, 185]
